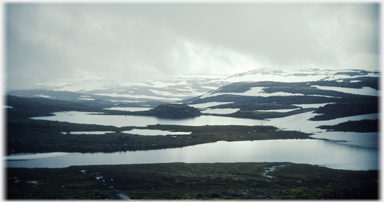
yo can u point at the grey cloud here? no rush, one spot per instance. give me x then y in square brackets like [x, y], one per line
[287, 34]
[52, 42]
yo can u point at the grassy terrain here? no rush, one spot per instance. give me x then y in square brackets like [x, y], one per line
[192, 181]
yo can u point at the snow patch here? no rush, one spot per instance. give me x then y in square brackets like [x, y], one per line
[43, 96]
[358, 91]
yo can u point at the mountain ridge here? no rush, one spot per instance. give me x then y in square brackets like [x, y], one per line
[179, 90]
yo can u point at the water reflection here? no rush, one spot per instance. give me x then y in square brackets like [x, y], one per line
[351, 138]
[86, 132]
[221, 110]
[319, 152]
[154, 132]
[341, 155]
[277, 110]
[131, 109]
[298, 122]
[132, 120]
[302, 123]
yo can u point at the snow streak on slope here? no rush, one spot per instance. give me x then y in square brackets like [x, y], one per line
[183, 87]
[297, 75]
[255, 91]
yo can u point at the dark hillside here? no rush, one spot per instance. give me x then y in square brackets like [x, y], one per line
[355, 126]
[372, 82]
[348, 104]
[343, 109]
[31, 107]
[56, 95]
[264, 103]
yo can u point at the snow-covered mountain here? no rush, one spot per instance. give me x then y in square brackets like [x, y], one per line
[184, 87]
[299, 75]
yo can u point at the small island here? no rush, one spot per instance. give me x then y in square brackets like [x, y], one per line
[174, 111]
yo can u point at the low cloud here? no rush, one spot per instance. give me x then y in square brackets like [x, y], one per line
[47, 43]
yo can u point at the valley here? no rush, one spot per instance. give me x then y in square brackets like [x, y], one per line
[296, 110]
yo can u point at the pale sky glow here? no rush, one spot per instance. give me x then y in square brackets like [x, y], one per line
[53, 43]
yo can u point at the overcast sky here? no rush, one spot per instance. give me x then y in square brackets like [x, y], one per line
[49, 43]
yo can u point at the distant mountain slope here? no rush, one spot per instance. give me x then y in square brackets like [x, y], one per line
[350, 88]
[299, 75]
[263, 82]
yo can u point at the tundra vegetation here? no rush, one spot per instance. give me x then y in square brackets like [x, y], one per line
[187, 181]
[46, 136]
[192, 181]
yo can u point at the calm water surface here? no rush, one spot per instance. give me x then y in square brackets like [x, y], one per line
[131, 109]
[319, 152]
[154, 132]
[298, 122]
[301, 122]
[221, 110]
[132, 120]
[357, 151]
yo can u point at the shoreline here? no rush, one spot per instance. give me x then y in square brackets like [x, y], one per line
[45, 137]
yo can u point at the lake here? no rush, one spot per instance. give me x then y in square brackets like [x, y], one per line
[134, 120]
[131, 109]
[323, 153]
[297, 122]
[353, 151]
[301, 122]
